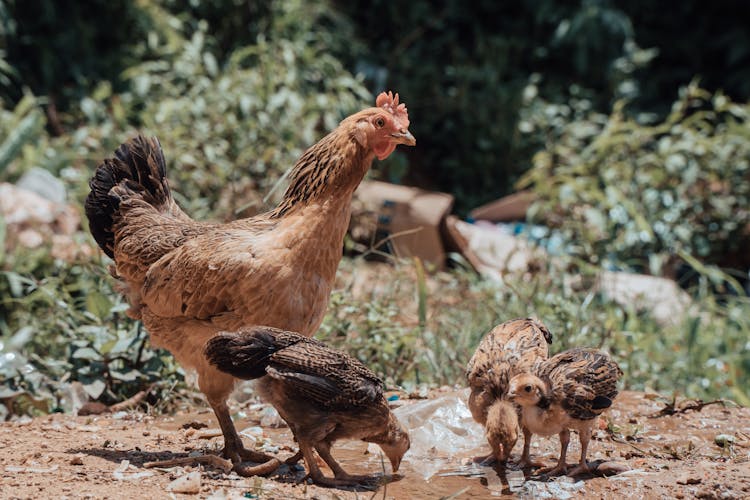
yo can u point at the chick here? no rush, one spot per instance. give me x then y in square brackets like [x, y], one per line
[322, 394]
[568, 391]
[513, 347]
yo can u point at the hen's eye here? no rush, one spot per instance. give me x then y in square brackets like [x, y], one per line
[379, 122]
[527, 388]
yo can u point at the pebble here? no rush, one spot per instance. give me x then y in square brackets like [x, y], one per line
[189, 483]
[687, 479]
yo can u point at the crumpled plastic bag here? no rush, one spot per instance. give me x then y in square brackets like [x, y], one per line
[442, 433]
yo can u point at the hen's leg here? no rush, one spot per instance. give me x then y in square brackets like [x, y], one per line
[217, 386]
[236, 452]
[561, 465]
[584, 435]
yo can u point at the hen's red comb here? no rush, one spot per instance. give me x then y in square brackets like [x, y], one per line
[389, 102]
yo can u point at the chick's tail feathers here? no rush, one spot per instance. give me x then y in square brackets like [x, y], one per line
[246, 353]
[138, 168]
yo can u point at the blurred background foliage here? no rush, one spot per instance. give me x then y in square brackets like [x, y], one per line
[629, 124]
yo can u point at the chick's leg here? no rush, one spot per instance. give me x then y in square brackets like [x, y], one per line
[561, 465]
[525, 458]
[316, 474]
[584, 435]
[324, 450]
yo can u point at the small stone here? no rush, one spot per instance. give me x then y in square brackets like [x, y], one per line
[707, 494]
[189, 483]
[76, 460]
[687, 479]
[146, 433]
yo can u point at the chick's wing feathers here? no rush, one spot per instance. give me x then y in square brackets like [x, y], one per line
[329, 378]
[583, 381]
[246, 354]
[309, 369]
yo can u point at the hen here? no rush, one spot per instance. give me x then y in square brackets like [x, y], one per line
[323, 394]
[188, 280]
[513, 347]
[568, 391]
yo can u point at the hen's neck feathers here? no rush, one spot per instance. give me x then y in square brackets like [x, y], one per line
[330, 170]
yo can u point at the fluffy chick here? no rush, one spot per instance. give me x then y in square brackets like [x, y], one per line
[568, 391]
[513, 347]
[322, 394]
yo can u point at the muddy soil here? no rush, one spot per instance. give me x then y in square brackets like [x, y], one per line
[672, 456]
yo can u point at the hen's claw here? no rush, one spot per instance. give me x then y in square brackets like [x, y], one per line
[261, 469]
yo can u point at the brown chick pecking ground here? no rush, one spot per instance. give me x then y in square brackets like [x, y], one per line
[568, 391]
[189, 280]
[322, 394]
[510, 348]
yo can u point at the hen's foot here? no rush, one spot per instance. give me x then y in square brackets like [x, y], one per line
[485, 460]
[262, 469]
[579, 470]
[557, 470]
[294, 458]
[527, 462]
[266, 464]
[240, 453]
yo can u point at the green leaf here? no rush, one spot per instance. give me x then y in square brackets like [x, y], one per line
[99, 304]
[94, 389]
[87, 353]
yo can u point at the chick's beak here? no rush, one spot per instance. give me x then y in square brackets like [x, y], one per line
[395, 463]
[404, 137]
[511, 395]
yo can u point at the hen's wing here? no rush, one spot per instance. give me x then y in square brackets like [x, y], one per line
[583, 381]
[330, 379]
[213, 273]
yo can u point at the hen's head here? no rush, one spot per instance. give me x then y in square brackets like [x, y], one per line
[526, 390]
[382, 128]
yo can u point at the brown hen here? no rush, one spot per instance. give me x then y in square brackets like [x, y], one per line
[513, 347]
[323, 394]
[568, 391]
[188, 280]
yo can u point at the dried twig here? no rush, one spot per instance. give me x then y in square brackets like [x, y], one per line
[132, 401]
[673, 408]
[215, 460]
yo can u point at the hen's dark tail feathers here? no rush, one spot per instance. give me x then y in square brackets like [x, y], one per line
[139, 168]
[246, 353]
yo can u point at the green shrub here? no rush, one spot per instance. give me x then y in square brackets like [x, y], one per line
[635, 195]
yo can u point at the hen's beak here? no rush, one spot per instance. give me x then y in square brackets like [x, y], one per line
[404, 137]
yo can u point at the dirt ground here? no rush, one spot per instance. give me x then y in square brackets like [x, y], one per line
[698, 453]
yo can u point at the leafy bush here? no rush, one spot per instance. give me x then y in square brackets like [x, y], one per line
[230, 130]
[413, 330]
[628, 194]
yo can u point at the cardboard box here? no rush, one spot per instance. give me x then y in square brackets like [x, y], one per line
[408, 221]
[508, 208]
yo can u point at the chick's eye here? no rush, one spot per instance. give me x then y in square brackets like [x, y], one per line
[379, 122]
[527, 388]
